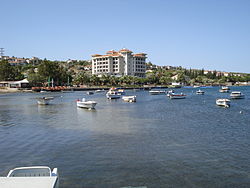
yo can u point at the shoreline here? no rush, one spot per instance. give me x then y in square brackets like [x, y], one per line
[26, 90]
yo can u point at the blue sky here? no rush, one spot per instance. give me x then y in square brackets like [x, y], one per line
[210, 34]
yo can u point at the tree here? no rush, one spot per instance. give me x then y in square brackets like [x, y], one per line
[52, 70]
[94, 80]
[8, 72]
[81, 78]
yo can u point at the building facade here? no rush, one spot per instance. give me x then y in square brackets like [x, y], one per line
[120, 63]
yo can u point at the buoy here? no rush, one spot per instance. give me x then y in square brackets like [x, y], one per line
[241, 112]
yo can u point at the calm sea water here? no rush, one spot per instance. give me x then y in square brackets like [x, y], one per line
[156, 142]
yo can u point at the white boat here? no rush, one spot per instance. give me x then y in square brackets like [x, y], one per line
[86, 104]
[121, 92]
[200, 92]
[44, 100]
[195, 86]
[113, 94]
[237, 95]
[90, 92]
[224, 89]
[170, 92]
[223, 102]
[31, 177]
[44, 91]
[177, 96]
[129, 98]
[99, 90]
[157, 92]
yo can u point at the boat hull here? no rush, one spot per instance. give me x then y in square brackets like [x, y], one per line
[223, 91]
[129, 98]
[88, 104]
[33, 176]
[157, 92]
[223, 102]
[113, 96]
[177, 96]
[44, 101]
[237, 97]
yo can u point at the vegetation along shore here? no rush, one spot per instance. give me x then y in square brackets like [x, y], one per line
[48, 73]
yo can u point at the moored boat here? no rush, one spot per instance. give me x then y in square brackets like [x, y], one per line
[170, 92]
[200, 92]
[157, 92]
[99, 90]
[224, 89]
[195, 86]
[177, 96]
[90, 92]
[112, 94]
[237, 95]
[121, 92]
[86, 104]
[44, 100]
[129, 98]
[223, 102]
[44, 91]
[27, 177]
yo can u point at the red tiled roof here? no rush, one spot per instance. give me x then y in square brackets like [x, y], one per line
[111, 52]
[125, 50]
[108, 55]
[140, 55]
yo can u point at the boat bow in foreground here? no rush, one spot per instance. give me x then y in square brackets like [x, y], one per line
[31, 177]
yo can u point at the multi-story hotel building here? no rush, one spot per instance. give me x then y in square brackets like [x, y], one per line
[123, 62]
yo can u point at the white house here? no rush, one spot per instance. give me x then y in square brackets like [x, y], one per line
[15, 84]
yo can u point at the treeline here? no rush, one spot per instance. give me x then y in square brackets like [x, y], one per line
[198, 76]
[10, 73]
[48, 72]
[74, 73]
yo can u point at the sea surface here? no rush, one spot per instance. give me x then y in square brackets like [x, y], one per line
[156, 142]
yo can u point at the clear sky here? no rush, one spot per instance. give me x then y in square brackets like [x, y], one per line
[210, 34]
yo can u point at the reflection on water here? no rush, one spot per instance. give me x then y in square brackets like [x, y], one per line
[155, 142]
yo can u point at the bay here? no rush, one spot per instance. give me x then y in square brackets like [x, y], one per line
[155, 142]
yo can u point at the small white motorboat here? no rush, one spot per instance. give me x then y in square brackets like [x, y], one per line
[44, 100]
[44, 91]
[90, 93]
[99, 90]
[237, 95]
[27, 177]
[177, 96]
[200, 92]
[121, 92]
[195, 86]
[224, 89]
[129, 98]
[113, 94]
[157, 92]
[86, 104]
[223, 102]
[170, 92]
